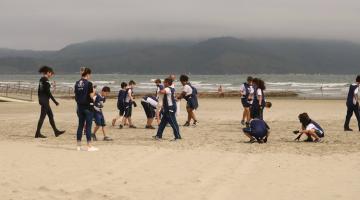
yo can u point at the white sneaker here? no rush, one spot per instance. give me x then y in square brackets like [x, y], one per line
[78, 148]
[92, 148]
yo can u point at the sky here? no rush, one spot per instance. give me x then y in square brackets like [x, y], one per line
[53, 24]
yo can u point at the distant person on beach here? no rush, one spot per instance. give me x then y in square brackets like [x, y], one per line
[84, 94]
[128, 104]
[221, 92]
[159, 96]
[247, 95]
[352, 104]
[258, 130]
[169, 110]
[99, 118]
[310, 128]
[44, 95]
[189, 93]
[149, 103]
[120, 103]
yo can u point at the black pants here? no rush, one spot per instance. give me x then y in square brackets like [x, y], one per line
[350, 110]
[46, 110]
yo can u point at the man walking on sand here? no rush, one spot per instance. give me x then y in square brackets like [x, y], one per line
[352, 104]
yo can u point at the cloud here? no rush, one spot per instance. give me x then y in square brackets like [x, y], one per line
[49, 24]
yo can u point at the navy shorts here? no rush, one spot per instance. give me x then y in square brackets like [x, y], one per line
[191, 103]
[121, 111]
[128, 110]
[99, 119]
[245, 103]
[149, 110]
[319, 134]
[257, 135]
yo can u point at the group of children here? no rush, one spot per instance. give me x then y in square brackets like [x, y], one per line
[254, 102]
[163, 106]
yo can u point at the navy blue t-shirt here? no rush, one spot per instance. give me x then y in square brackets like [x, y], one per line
[258, 128]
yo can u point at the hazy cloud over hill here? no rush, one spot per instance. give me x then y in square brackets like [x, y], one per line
[49, 24]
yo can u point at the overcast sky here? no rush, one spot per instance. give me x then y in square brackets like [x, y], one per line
[52, 24]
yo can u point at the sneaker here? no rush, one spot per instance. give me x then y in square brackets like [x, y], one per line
[187, 124]
[121, 126]
[318, 140]
[58, 133]
[39, 135]
[132, 126]
[106, 138]
[155, 137]
[78, 148]
[92, 148]
[348, 129]
[149, 127]
[113, 122]
[195, 123]
[309, 139]
[265, 140]
[243, 122]
[93, 136]
[251, 141]
[247, 124]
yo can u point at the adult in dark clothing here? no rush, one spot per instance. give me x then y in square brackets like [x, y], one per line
[352, 104]
[84, 94]
[44, 94]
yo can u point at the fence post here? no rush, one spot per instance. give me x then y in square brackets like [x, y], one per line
[7, 90]
[31, 94]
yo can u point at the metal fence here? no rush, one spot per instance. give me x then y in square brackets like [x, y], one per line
[28, 92]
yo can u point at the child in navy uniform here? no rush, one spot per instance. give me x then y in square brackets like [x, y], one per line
[247, 93]
[84, 94]
[352, 104]
[128, 104]
[189, 93]
[98, 115]
[149, 103]
[120, 103]
[169, 110]
[310, 128]
[259, 102]
[258, 130]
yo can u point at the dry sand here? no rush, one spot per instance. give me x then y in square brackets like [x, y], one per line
[211, 162]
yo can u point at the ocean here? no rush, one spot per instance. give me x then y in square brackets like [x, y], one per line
[306, 85]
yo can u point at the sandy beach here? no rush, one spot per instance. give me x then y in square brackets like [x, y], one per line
[211, 162]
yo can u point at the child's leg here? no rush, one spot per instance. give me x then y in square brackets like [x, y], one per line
[244, 114]
[189, 114]
[96, 129]
[103, 130]
[312, 133]
[247, 114]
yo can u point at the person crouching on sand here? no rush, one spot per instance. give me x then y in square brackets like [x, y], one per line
[84, 94]
[44, 95]
[258, 130]
[98, 114]
[310, 128]
[169, 110]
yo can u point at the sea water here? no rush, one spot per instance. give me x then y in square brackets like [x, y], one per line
[307, 85]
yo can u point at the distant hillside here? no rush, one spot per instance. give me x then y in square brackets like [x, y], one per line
[225, 55]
